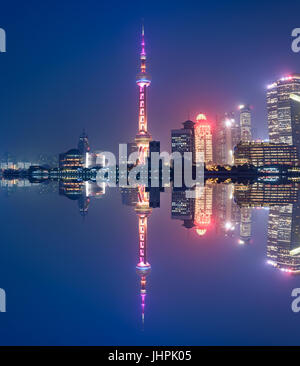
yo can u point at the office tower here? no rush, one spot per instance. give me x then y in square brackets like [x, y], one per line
[235, 129]
[143, 80]
[182, 140]
[84, 147]
[245, 123]
[71, 160]
[83, 143]
[219, 142]
[154, 175]
[232, 130]
[203, 138]
[283, 111]
[265, 153]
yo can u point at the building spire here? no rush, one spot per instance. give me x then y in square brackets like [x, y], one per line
[143, 81]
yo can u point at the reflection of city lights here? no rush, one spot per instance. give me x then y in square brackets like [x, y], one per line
[201, 117]
[229, 226]
[241, 242]
[241, 106]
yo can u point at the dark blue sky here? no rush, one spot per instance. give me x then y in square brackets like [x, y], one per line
[73, 64]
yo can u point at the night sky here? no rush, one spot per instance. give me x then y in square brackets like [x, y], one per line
[71, 65]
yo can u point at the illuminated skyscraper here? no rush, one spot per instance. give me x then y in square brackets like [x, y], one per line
[245, 123]
[84, 147]
[219, 142]
[143, 80]
[203, 138]
[284, 111]
[83, 143]
[183, 140]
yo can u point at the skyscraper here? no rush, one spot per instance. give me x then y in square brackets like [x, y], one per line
[245, 123]
[284, 111]
[203, 138]
[219, 142]
[83, 143]
[182, 140]
[84, 147]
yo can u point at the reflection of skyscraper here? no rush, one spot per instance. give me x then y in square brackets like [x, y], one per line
[203, 138]
[261, 194]
[71, 188]
[283, 249]
[182, 208]
[283, 111]
[203, 209]
[226, 212]
[245, 225]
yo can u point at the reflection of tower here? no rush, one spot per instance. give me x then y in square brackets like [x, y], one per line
[143, 137]
[284, 237]
[143, 267]
[83, 204]
[245, 225]
[203, 208]
[203, 138]
[226, 212]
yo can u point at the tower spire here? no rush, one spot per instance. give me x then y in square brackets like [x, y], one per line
[143, 80]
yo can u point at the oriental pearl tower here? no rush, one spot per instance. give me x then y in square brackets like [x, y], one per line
[143, 80]
[142, 209]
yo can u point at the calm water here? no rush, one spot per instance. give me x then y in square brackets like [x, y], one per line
[218, 277]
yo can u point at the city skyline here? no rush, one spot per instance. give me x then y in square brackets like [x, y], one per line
[100, 246]
[207, 88]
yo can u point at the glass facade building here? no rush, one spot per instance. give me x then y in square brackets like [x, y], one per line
[265, 153]
[284, 111]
